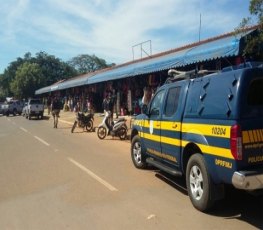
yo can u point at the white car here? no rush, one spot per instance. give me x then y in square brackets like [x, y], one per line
[34, 108]
[12, 107]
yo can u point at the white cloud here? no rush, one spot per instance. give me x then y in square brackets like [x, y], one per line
[109, 29]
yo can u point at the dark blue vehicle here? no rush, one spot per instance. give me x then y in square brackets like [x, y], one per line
[208, 128]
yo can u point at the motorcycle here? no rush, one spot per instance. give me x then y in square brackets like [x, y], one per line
[114, 128]
[83, 121]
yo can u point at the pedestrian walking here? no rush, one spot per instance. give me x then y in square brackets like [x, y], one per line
[48, 105]
[55, 110]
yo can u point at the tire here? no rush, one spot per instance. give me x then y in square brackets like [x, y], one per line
[137, 154]
[74, 126]
[199, 185]
[89, 126]
[102, 132]
[29, 117]
[122, 133]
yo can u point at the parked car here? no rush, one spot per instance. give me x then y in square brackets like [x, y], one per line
[1, 110]
[34, 108]
[208, 129]
[12, 107]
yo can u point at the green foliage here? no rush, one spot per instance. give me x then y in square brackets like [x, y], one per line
[52, 70]
[27, 79]
[85, 63]
[254, 43]
[256, 8]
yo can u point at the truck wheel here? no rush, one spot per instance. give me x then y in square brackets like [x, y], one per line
[102, 132]
[137, 155]
[199, 185]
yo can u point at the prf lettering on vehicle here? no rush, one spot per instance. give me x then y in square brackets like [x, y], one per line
[206, 127]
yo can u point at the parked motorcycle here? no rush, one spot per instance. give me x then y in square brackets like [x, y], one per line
[114, 128]
[83, 121]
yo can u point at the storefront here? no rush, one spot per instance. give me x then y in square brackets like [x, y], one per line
[128, 82]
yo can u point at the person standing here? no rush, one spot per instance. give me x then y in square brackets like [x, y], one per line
[48, 105]
[105, 103]
[55, 109]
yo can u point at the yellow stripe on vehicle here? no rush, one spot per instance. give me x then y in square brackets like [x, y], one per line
[173, 126]
[211, 150]
[252, 136]
[151, 137]
[207, 130]
[213, 130]
[245, 137]
[170, 141]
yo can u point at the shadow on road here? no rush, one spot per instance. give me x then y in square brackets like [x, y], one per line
[242, 206]
[237, 204]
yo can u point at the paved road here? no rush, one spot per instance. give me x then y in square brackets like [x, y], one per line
[52, 179]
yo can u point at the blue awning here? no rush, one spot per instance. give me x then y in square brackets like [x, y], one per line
[69, 83]
[75, 82]
[222, 46]
[47, 89]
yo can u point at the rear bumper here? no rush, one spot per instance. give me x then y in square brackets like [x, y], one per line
[32, 113]
[248, 180]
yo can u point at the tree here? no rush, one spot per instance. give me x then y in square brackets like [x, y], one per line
[8, 76]
[27, 79]
[85, 63]
[254, 47]
[53, 68]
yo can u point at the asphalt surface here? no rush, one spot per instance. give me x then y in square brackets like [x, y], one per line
[54, 179]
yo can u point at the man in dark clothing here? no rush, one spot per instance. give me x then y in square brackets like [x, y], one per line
[55, 108]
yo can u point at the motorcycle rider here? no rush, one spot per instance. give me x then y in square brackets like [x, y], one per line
[77, 107]
[108, 105]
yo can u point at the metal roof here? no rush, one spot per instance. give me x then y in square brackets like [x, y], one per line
[222, 46]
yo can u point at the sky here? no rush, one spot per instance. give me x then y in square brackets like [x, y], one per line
[111, 29]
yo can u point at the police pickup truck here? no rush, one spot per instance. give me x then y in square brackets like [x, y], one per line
[208, 129]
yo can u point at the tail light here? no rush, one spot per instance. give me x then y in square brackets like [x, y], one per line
[236, 142]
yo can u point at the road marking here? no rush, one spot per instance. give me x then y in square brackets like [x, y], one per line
[23, 129]
[67, 122]
[41, 140]
[93, 175]
[151, 216]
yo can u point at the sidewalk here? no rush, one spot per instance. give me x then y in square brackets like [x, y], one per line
[69, 118]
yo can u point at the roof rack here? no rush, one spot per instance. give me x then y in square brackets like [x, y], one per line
[176, 75]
